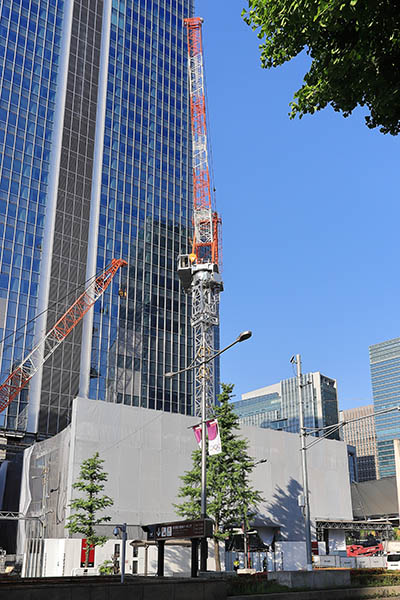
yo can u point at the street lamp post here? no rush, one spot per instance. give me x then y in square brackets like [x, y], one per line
[245, 335]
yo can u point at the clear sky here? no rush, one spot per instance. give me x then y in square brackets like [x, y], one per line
[311, 220]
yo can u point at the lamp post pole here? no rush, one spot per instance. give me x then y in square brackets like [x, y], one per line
[203, 542]
[245, 335]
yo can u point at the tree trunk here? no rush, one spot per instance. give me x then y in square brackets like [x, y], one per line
[217, 555]
[87, 554]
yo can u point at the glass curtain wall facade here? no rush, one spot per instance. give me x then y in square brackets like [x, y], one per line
[385, 377]
[277, 406]
[141, 325]
[143, 330]
[30, 41]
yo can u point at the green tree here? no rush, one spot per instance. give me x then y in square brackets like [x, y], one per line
[231, 500]
[354, 47]
[90, 482]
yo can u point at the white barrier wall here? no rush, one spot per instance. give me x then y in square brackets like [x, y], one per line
[62, 557]
[351, 562]
[290, 556]
[145, 452]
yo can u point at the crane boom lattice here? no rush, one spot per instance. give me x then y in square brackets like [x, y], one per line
[199, 271]
[205, 242]
[21, 375]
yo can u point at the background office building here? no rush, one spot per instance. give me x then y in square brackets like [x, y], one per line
[277, 406]
[385, 377]
[361, 435]
[95, 164]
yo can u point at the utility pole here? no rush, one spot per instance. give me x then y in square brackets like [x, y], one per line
[303, 451]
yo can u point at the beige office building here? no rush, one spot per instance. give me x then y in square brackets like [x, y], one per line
[361, 434]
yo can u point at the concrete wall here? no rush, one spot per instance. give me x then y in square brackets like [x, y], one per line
[312, 580]
[106, 589]
[146, 451]
[351, 562]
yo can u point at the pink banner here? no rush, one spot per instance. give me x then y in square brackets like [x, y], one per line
[197, 433]
[214, 439]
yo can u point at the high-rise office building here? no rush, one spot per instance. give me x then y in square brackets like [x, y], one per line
[95, 163]
[361, 435]
[385, 375]
[277, 406]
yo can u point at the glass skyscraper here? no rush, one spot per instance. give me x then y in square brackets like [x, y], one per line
[277, 406]
[95, 164]
[385, 376]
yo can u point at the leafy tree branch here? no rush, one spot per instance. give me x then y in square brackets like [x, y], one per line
[354, 46]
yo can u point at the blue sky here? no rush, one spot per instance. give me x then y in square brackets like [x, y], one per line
[310, 220]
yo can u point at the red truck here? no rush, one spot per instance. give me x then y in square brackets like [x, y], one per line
[365, 548]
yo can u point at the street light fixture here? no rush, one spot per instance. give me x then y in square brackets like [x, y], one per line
[245, 335]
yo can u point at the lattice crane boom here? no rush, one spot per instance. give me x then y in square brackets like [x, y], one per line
[199, 271]
[22, 374]
[205, 220]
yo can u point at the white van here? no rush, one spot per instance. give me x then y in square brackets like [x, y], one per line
[393, 561]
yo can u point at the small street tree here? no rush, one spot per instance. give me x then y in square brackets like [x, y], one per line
[231, 500]
[84, 521]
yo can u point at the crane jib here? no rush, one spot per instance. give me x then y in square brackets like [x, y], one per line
[22, 374]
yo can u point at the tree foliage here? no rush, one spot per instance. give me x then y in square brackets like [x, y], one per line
[84, 521]
[231, 500]
[354, 46]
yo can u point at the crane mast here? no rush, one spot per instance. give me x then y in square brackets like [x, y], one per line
[199, 271]
[24, 372]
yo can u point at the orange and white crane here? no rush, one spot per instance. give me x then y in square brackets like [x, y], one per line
[24, 372]
[205, 220]
[199, 271]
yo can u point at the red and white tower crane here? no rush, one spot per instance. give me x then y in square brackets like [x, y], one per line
[199, 271]
[24, 372]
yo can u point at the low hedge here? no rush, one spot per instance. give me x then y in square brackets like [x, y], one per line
[374, 577]
[253, 584]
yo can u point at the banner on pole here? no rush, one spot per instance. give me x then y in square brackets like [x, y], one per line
[214, 439]
[197, 434]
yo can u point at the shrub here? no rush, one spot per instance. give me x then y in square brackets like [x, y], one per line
[374, 577]
[253, 584]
